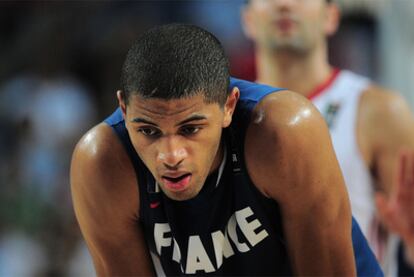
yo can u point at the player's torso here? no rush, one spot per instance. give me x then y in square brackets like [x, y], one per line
[229, 228]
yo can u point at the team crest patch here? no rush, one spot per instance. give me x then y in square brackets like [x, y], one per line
[331, 113]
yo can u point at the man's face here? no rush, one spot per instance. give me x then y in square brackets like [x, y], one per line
[293, 25]
[178, 140]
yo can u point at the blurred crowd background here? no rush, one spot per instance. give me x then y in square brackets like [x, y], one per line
[60, 64]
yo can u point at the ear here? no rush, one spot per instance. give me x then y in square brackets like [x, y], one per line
[247, 21]
[230, 106]
[121, 101]
[333, 18]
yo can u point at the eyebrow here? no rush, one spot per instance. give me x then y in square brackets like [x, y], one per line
[195, 117]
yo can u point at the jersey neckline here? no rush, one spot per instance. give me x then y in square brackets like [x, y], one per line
[322, 87]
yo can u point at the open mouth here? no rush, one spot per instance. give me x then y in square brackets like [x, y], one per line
[177, 182]
[177, 179]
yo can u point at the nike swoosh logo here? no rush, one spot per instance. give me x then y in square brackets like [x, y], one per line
[154, 205]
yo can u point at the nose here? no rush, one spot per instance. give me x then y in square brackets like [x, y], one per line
[284, 4]
[171, 152]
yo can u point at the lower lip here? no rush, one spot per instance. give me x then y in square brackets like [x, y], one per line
[176, 186]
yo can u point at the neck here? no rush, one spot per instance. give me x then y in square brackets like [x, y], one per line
[299, 72]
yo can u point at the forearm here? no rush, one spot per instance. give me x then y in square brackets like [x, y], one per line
[319, 249]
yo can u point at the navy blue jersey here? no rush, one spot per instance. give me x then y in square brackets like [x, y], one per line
[229, 228]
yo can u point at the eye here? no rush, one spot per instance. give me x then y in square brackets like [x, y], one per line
[189, 130]
[149, 131]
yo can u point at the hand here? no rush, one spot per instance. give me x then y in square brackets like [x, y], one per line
[397, 210]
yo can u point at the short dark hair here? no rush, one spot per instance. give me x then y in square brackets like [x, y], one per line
[176, 61]
[247, 1]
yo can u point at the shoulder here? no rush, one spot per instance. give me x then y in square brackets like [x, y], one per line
[287, 139]
[101, 171]
[99, 149]
[377, 100]
[285, 112]
[383, 112]
[106, 202]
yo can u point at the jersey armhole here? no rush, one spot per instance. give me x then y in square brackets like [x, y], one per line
[122, 134]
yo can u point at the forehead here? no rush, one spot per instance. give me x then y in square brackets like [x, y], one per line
[156, 107]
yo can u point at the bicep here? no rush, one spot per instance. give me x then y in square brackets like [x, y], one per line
[294, 163]
[293, 146]
[390, 127]
[105, 200]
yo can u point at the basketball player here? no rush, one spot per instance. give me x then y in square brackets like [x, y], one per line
[368, 124]
[193, 175]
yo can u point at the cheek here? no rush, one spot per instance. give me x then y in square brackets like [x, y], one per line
[214, 142]
[263, 20]
[259, 16]
[314, 31]
[203, 150]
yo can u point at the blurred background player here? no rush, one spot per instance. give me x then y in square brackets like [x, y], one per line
[369, 125]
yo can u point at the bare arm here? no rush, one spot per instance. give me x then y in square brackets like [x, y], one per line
[106, 202]
[396, 211]
[389, 129]
[292, 161]
[386, 125]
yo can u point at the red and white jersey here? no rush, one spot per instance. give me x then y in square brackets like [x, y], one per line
[338, 101]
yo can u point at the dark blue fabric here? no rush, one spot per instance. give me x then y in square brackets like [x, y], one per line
[252, 91]
[366, 263]
[115, 118]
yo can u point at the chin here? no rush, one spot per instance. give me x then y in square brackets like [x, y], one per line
[180, 196]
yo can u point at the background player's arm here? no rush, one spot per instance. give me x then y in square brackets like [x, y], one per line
[106, 202]
[388, 127]
[290, 159]
[396, 211]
